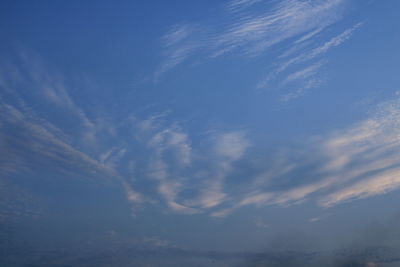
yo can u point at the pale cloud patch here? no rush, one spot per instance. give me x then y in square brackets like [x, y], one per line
[333, 42]
[376, 185]
[231, 145]
[301, 53]
[237, 5]
[169, 190]
[308, 35]
[212, 194]
[353, 163]
[304, 73]
[173, 138]
[179, 43]
[285, 20]
[257, 198]
[315, 219]
[250, 32]
[250, 35]
[166, 172]
[28, 101]
[310, 84]
[132, 195]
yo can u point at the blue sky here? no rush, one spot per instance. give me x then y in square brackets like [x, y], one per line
[241, 125]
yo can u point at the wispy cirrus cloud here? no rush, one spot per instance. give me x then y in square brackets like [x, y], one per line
[309, 84]
[229, 147]
[179, 43]
[174, 142]
[299, 55]
[304, 73]
[382, 183]
[358, 162]
[286, 19]
[34, 141]
[321, 49]
[237, 5]
[171, 174]
[249, 29]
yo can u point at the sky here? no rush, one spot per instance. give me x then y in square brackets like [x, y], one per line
[200, 133]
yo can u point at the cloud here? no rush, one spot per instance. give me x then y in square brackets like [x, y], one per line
[212, 194]
[249, 28]
[376, 185]
[156, 160]
[299, 54]
[317, 51]
[250, 35]
[169, 190]
[304, 73]
[179, 43]
[310, 84]
[173, 138]
[231, 145]
[366, 152]
[315, 219]
[240, 5]
[34, 140]
[132, 195]
[287, 19]
[170, 154]
[356, 162]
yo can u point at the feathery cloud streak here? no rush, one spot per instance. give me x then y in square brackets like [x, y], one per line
[356, 162]
[251, 27]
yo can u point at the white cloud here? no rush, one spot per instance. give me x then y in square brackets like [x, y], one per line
[28, 102]
[221, 213]
[357, 162]
[310, 84]
[299, 53]
[178, 43]
[308, 36]
[304, 73]
[167, 172]
[228, 147]
[287, 19]
[333, 42]
[212, 194]
[258, 198]
[251, 35]
[132, 195]
[231, 145]
[177, 34]
[315, 219]
[353, 163]
[174, 139]
[382, 183]
[36, 136]
[237, 5]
